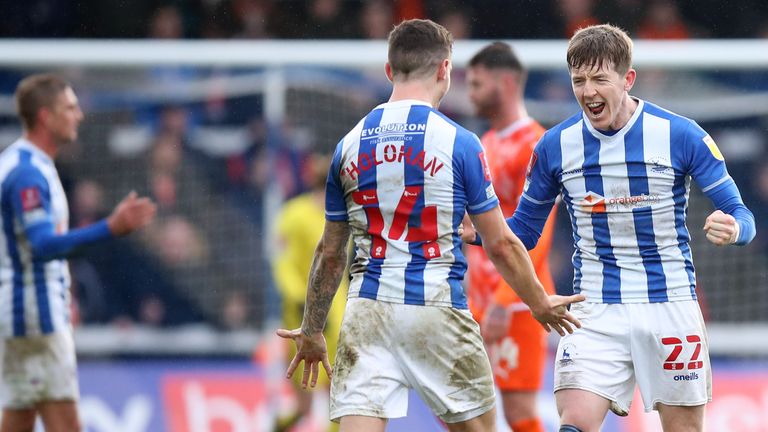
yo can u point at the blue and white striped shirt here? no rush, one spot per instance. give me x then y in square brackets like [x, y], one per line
[627, 196]
[403, 179]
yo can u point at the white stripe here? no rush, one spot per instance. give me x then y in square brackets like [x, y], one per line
[355, 214]
[535, 201]
[390, 187]
[658, 151]
[438, 191]
[572, 151]
[621, 222]
[716, 184]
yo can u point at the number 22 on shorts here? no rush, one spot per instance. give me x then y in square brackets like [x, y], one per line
[672, 363]
[426, 232]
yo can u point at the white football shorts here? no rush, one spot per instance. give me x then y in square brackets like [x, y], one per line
[660, 346]
[386, 348]
[38, 369]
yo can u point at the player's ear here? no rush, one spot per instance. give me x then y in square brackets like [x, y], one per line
[444, 70]
[388, 71]
[629, 79]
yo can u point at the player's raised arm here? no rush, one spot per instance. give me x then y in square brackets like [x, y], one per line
[511, 259]
[325, 275]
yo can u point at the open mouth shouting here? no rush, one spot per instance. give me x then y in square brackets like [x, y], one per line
[596, 108]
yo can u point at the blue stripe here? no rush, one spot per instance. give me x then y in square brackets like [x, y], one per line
[683, 237]
[367, 180]
[576, 258]
[602, 234]
[459, 266]
[643, 217]
[41, 293]
[17, 295]
[414, 176]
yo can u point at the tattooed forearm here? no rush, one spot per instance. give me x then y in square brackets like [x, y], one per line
[325, 275]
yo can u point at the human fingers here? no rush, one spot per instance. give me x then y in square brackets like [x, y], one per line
[292, 367]
[305, 377]
[287, 334]
[327, 366]
[572, 319]
[315, 374]
[556, 326]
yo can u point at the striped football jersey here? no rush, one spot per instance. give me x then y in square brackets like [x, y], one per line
[34, 293]
[627, 196]
[403, 179]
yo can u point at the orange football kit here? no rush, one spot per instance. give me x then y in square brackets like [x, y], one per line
[517, 359]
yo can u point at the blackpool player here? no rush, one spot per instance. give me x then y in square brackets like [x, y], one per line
[623, 166]
[39, 369]
[400, 183]
[516, 342]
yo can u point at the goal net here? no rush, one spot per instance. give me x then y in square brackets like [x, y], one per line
[218, 134]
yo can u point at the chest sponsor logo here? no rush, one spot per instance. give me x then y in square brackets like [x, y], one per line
[595, 203]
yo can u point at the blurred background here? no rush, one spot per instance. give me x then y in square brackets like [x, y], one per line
[214, 107]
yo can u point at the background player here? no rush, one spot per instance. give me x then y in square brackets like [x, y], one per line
[623, 166]
[299, 228]
[516, 343]
[39, 368]
[401, 182]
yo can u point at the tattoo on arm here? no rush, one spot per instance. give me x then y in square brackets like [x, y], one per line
[325, 275]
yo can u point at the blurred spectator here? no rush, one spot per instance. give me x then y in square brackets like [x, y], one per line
[178, 243]
[166, 23]
[253, 18]
[152, 311]
[576, 14]
[87, 205]
[376, 19]
[625, 14]
[662, 20]
[327, 19]
[234, 310]
[456, 19]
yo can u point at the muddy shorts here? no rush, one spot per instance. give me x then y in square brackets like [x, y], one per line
[38, 369]
[386, 348]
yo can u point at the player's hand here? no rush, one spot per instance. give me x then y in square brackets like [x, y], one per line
[312, 350]
[467, 231]
[495, 323]
[131, 214]
[555, 315]
[721, 228]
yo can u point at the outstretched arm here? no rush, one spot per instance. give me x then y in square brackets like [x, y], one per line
[511, 259]
[325, 275]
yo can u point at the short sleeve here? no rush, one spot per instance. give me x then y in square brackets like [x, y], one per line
[335, 204]
[481, 196]
[541, 185]
[30, 197]
[705, 162]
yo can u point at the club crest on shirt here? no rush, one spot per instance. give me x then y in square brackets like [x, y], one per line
[30, 198]
[713, 147]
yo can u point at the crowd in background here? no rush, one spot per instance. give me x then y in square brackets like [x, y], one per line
[199, 262]
[320, 19]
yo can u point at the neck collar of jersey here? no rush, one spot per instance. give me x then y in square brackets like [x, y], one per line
[404, 103]
[29, 145]
[514, 127]
[621, 132]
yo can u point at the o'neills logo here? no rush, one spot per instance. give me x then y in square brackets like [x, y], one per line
[594, 203]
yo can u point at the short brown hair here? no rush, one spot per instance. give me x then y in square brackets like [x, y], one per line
[416, 48]
[499, 55]
[599, 45]
[35, 92]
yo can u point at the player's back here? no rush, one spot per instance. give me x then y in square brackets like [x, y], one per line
[403, 179]
[34, 292]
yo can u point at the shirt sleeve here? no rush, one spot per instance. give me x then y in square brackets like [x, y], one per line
[31, 203]
[335, 204]
[539, 195]
[481, 197]
[706, 165]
